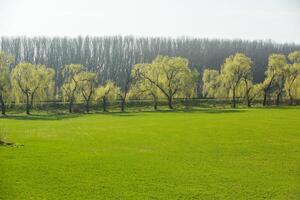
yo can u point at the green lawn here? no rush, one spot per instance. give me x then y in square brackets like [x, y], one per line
[206, 154]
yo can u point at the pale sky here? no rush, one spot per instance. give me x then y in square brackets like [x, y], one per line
[278, 20]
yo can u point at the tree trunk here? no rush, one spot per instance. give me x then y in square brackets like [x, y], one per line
[27, 104]
[278, 99]
[155, 103]
[291, 97]
[249, 103]
[3, 110]
[233, 98]
[104, 104]
[170, 102]
[123, 104]
[265, 98]
[71, 106]
[87, 106]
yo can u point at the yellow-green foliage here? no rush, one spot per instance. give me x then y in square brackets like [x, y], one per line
[142, 88]
[108, 91]
[211, 82]
[275, 69]
[236, 69]
[292, 75]
[169, 75]
[71, 77]
[5, 84]
[35, 81]
[86, 85]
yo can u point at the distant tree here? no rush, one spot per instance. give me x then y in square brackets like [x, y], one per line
[5, 84]
[166, 73]
[236, 69]
[70, 86]
[33, 82]
[106, 93]
[86, 86]
[292, 72]
[274, 76]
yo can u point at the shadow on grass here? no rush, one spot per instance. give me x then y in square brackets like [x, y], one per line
[201, 110]
[55, 116]
[218, 111]
[62, 116]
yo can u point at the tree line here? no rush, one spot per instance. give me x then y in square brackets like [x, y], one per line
[165, 77]
[112, 58]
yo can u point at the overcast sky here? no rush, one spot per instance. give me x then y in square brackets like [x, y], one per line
[278, 20]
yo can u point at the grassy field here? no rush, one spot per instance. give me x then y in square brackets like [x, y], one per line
[205, 154]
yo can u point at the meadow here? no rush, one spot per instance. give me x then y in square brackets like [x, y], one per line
[200, 154]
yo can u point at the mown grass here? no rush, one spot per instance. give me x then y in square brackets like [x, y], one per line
[204, 154]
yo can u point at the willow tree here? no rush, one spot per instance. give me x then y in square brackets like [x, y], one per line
[274, 76]
[211, 82]
[71, 83]
[31, 82]
[189, 85]
[142, 88]
[250, 91]
[236, 68]
[5, 84]
[166, 73]
[106, 93]
[86, 86]
[292, 72]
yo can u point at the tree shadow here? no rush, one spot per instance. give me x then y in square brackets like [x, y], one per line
[216, 110]
[62, 116]
[46, 117]
[178, 111]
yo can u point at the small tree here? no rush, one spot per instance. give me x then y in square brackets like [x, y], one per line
[236, 69]
[251, 91]
[86, 87]
[32, 82]
[123, 92]
[189, 83]
[166, 73]
[274, 76]
[292, 72]
[106, 93]
[71, 83]
[142, 88]
[5, 83]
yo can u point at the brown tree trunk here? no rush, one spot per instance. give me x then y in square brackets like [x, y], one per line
[27, 104]
[3, 110]
[170, 102]
[291, 97]
[233, 98]
[265, 98]
[71, 105]
[123, 104]
[249, 103]
[278, 99]
[104, 104]
[87, 106]
[155, 103]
